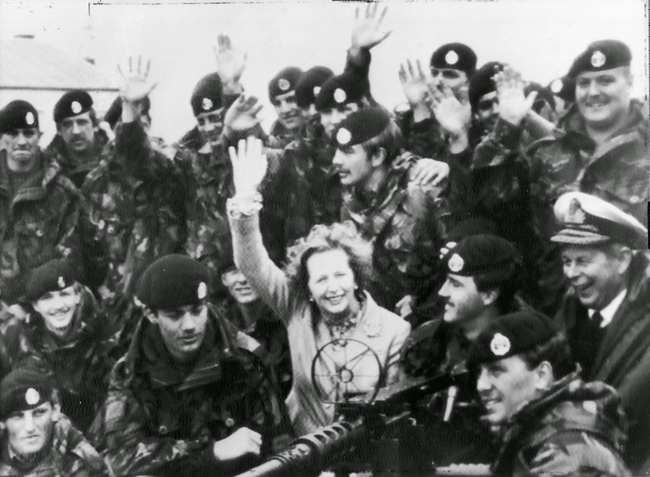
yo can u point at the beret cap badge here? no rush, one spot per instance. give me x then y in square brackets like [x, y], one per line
[76, 107]
[206, 104]
[339, 95]
[500, 345]
[61, 282]
[343, 136]
[284, 84]
[202, 291]
[556, 86]
[32, 396]
[316, 90]
[29, 118]
[456, 263]
[451, 57]
[598, 59]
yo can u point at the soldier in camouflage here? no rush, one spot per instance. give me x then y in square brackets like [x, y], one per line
[548, 420]
[37, 440]
[190, 395]
[66, 337]
[41, 216]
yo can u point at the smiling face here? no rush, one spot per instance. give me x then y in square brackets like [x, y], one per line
[331, 118]
[238, 286]
[603, 97]
[352, 165]
[504, 387]
[182, 329]
[332, 282]
[463, 301]
[487, 110]
[57, 309]
[289, 114]
[78, 132]
[597, 277]
[22, 148]
[29, 431]
[211, 126]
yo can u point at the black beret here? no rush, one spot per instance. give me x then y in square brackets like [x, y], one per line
[543, 94]
[482, 83]
[72, 103]
[601, 55]
[23, 389]
[589, 220]
[309, 85]
[509, 335]
[465, 228]
[173, 281]
[564, 88]
[114, 113]
[207, 95]
[340, 90]
[482, 254]
[18, 114]
[284, 82]
[51, 276]
[362, 126]
[456, 56]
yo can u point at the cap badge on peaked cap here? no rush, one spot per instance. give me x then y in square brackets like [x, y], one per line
[575, 214]
[61, 283]
[500, 345]
[32, 396]
[598, 59]
[29, 118]
[76, 107]
[284, 84]
[456, 263]
[451, 57]
[339, 95]
[202, 291]
[206, 104]
[556, 86]
[316, 90]
[343, 136]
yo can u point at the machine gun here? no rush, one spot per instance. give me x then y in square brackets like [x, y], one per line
[380, 429]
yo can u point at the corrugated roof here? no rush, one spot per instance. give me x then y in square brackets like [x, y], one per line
[29, 64]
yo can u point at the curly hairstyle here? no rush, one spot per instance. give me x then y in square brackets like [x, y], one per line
[323, 238]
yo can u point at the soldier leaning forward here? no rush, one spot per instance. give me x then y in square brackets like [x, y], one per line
[36, 439]
[65, 336]
[190, 395]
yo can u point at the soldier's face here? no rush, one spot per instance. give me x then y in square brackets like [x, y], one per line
[504, 386]
[331, 282]
[596, 276]
[463, 301]
[211, 126]
[57, 309]
[449, 77]
[603, 97]
[487, 110]
[353, 165]
[78, 132]
[331, 118]
[22, 148]
[238, 286]
[289, 114]
[183, 329]
[29, 431]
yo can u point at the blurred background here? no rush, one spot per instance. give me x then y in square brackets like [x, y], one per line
[47, 48]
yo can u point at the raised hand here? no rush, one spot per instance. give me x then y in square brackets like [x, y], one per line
[414, 82]
[368, 30]
[242, 115]
[513, 103]
[454, 115]
[230, 62]
[248, 164]
[135, 81]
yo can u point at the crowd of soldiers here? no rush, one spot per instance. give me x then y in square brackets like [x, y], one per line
[508, 229]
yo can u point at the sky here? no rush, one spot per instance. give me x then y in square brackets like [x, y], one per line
[539, 38]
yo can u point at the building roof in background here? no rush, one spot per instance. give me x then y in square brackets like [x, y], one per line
[29, 64]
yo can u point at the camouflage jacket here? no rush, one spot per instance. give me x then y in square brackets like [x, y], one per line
[42, 221]
[75, 171]
[138, 211]
[80, 366]
[163, 419]
[407, 225]
[574, 429]
[68, 455]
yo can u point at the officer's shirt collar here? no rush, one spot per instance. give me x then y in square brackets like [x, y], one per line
[610, 310]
